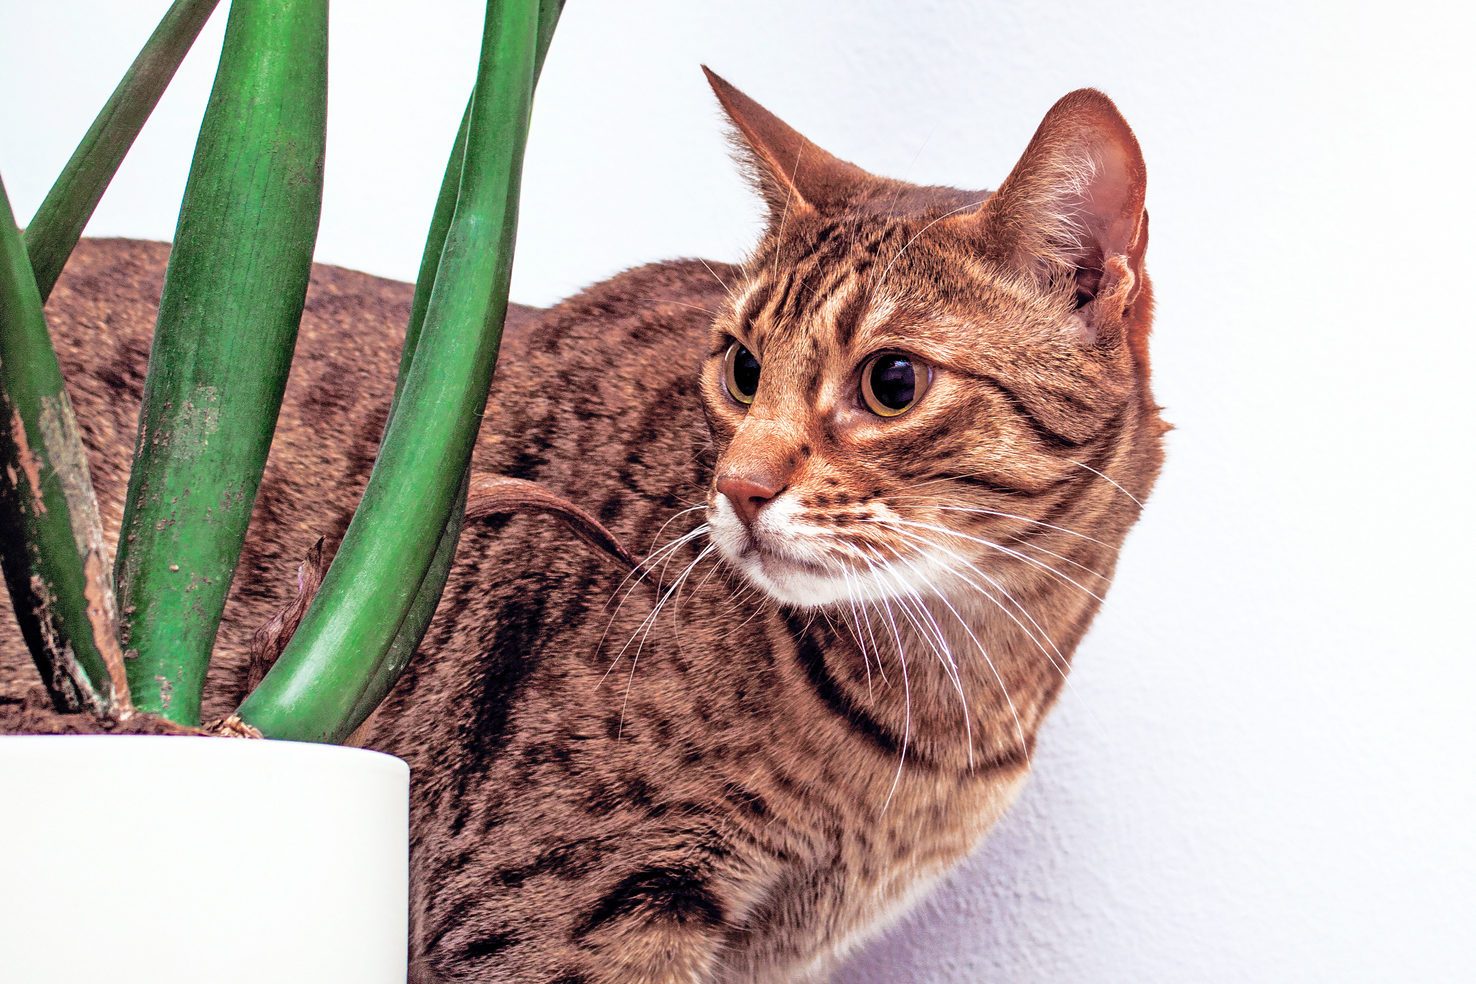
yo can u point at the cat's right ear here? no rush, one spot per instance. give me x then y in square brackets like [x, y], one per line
[791, 173]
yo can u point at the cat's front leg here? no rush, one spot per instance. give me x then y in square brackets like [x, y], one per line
[658, 953]
[652, 952]
[661, 924]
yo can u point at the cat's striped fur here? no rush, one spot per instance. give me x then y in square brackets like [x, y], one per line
[835, 701]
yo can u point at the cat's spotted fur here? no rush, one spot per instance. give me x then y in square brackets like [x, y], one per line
[834, 702]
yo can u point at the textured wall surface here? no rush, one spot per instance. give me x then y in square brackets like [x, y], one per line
[1262, 770]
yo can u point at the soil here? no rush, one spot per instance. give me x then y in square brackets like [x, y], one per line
[34, 715]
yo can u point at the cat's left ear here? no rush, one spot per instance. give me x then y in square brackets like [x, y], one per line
[791, 172]
[1072, 209]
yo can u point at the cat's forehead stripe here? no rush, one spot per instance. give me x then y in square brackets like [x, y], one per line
[750, 301]
[867, 314]
[807, 297]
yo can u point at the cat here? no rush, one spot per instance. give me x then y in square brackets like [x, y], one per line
[884, 466]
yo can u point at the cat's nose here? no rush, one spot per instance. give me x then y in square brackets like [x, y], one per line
[747, 495]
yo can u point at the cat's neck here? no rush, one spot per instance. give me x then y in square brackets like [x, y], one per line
[965, 677]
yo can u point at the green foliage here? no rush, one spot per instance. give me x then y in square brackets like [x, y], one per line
[59, 222]
[228, 319]
[332, 662]
[51, 542]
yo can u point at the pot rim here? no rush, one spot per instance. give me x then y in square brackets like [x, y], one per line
[307, 753]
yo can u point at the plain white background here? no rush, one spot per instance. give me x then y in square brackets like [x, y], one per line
[1263, 769]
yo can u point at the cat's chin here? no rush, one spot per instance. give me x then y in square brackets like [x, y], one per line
[791, 582]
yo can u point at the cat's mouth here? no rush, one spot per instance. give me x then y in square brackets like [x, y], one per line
[769, 552]
[774, 558]
[792, 579]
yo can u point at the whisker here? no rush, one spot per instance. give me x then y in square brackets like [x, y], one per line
[676, 616]
[710, 312]
[897, 195]
[789, 195]
[1002, 549]
[641, 576]
[760, 607]
[940, 648]
[668, 551]
[1007, 515]
[888, 268]
[674, 517]
[652, 559]
[1061, 666]
[1109, 479]
[880, 667]
[963, 623]
[1025, 542]
[906, 704]
[647, 624]
[851, 600]
[731, 296]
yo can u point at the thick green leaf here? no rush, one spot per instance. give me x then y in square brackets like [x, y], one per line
[228, 320]
[423, 608]
[320, 683]
[51, 542]
[435, 240]
[417, 619]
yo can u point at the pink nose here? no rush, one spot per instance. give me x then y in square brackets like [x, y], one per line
[746, 496]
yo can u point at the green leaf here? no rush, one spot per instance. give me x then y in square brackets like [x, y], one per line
[51, 542]
[423, 607]
[329, 670]
[228, 320]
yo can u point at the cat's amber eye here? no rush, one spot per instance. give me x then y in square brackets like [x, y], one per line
[892, 383]
[740, 373]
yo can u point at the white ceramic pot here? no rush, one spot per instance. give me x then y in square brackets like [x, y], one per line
[201, 861]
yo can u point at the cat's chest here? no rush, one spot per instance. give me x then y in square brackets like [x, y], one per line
[869, 873]
[916, 846]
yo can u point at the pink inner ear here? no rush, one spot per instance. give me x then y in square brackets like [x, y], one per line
[1112, 199]
[1103, 213]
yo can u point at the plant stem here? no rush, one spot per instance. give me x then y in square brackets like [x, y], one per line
[228, 319]
[435, 239]
[58, 223]
[51, 541]
[417, 619]
[423, 608]
[321, 679]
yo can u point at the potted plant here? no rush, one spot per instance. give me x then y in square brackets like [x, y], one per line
[160, 846]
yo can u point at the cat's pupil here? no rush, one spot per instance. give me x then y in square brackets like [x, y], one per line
[894, 381]
[745, 372]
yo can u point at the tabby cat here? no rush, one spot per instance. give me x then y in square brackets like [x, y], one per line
[884, 468]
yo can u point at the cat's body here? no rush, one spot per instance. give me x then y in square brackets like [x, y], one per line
[741, 788]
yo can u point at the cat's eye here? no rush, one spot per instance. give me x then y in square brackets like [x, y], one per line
[740, 373]
[892, 382]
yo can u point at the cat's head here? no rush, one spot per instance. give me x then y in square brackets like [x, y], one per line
[922, 389]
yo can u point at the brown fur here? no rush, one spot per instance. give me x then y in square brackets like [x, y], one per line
[742, 787]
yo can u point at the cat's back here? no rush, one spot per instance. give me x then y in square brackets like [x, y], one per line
[626, 331]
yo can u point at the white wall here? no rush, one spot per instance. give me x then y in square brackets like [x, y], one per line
[1263, 770]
